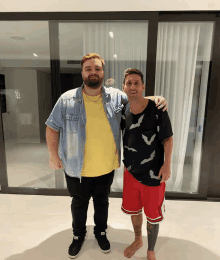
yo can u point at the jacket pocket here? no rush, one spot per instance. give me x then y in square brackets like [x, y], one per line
[71, 123]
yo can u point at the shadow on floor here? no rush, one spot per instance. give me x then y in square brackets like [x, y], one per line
[56, 248]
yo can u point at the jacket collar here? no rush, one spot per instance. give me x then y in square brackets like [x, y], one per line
[78, 94]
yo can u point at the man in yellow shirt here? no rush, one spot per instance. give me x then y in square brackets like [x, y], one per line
[87, 120]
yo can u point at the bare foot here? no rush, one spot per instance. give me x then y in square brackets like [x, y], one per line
[151, 255]
[130, 250]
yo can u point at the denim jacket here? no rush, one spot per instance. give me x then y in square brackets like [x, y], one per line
[69, 118]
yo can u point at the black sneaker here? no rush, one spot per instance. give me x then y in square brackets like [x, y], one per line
[103, 242]
[76, 246]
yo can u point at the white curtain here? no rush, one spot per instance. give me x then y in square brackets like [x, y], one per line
[177, 51]
[122, 45]
[204, 57]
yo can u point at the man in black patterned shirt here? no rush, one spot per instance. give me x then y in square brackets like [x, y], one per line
[147, 136]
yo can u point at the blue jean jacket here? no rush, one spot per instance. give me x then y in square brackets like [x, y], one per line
[69, 118]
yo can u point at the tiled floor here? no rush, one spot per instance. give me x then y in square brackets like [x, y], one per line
[39, 228]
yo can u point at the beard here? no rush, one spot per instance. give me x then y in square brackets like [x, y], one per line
[93, 83]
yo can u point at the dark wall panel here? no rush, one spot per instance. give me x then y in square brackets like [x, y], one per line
[211, 147]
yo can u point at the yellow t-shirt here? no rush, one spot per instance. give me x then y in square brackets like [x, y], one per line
[100, 149]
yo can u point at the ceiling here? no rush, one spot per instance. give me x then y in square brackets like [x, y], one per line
[21, 40]
[33, 38]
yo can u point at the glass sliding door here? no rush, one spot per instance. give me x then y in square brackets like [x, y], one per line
[26, 102]
[27, 90]
[182, 70]
[122, 44]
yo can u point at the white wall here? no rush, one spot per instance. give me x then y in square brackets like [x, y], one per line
[113, 5]
[26, 82]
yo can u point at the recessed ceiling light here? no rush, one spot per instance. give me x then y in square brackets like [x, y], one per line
[35, 54]
[17, 38]
[115, 56]
[111, 34]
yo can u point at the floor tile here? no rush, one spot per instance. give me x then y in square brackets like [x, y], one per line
[40, 228]
[4, 218]
[33, 204]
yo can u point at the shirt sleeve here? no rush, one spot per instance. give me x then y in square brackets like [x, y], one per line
[124, 97]
[164, 127]
[54, 120]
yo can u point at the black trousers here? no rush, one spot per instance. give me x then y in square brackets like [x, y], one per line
[96, 187]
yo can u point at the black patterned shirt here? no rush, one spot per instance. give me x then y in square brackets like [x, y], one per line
[143, 136]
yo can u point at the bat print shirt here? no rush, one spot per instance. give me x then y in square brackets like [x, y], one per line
[143, 136]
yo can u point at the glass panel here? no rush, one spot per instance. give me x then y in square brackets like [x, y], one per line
[26, 94]
[182, 70]
[122, 44]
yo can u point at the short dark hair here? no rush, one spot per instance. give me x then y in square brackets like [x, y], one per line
[130, 71]
[92, 56]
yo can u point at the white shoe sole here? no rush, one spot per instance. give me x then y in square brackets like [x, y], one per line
[106, 252]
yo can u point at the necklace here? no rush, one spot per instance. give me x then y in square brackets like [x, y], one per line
[90, 99]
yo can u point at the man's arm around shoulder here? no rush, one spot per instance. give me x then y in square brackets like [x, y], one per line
[159, 101]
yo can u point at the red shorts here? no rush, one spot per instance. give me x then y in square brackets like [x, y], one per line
[137, 196]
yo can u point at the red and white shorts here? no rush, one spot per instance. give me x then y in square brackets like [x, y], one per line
[137, 196]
